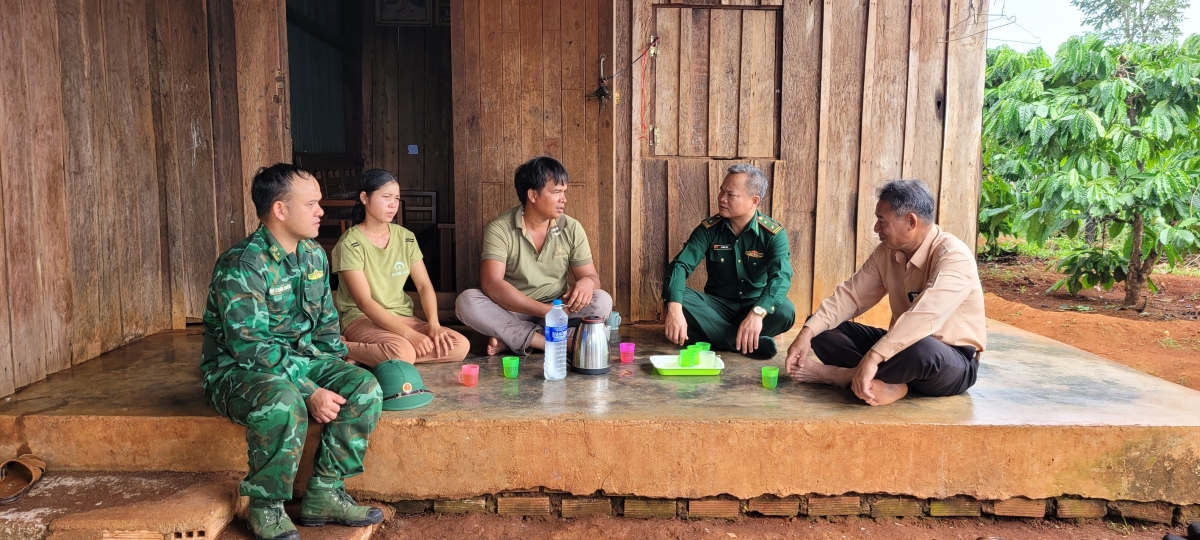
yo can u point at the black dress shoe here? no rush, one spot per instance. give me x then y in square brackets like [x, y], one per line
[1194, 531]
[1173, 537]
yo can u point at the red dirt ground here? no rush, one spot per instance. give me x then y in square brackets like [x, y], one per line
[1162, 340]
[493, 527]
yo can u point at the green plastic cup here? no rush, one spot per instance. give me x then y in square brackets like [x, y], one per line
[770, 376]
[512, 365]
[687, 357]
[702, 345]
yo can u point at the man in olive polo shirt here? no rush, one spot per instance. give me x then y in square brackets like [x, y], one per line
[744, 303]
[528, 252]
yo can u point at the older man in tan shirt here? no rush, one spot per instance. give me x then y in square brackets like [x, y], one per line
[938, 323]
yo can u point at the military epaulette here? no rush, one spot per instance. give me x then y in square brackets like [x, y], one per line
[708, 223]
[769, 224]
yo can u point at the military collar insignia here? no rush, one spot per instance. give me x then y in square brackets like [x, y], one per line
[276, 252]
[769, 224]
[708, 223]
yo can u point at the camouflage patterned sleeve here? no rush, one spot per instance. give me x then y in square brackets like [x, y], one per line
[327, 336]
[242, 304]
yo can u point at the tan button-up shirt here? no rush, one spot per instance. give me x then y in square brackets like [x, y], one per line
[937, 293]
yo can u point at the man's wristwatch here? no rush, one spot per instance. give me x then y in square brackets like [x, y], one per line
[758, 310]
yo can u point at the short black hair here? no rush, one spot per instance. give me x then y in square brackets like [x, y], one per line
[534, 173]
[909, 197]
[272, 184]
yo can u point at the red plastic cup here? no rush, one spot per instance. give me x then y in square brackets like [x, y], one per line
[626, 353]
[469, 375]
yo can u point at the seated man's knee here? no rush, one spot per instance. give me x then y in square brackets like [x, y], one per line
[281, 404]
[464, 305]
[602, 301]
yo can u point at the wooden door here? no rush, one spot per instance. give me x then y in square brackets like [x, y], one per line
[715, 102]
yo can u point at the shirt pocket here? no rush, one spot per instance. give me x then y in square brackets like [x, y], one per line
[314, 298]
[721, 264]
[279, 305]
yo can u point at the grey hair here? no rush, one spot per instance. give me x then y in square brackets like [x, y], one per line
[908, 197]
[756, 181]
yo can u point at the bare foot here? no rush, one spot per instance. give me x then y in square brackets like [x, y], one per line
[496, 346]
[886, 394]
[816, 372]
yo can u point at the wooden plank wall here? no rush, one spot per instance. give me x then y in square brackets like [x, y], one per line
[868, 91]
[521, 71]
[113, 201]
[407, 97]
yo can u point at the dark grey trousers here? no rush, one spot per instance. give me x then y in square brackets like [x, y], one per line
[928, 366]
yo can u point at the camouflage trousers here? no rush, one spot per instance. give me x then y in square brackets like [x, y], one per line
[276, 419]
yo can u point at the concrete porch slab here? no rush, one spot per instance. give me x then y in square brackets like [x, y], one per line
[1044, 420]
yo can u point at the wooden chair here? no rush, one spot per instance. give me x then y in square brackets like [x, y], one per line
[420, 209]
[338, 174]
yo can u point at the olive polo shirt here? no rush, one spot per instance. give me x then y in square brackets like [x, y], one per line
[754, 266]
[540, 275]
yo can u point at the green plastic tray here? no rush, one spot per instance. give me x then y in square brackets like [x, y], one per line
[669, 365]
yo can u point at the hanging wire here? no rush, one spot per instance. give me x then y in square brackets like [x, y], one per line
[973, 17]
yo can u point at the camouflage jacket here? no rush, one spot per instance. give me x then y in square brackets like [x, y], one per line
[269, 314]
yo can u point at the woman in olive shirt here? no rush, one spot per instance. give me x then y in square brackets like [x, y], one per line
[374, 259]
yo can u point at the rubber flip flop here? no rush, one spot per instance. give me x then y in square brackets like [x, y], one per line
[18, 475]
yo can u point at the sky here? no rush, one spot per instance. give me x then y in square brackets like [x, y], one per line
[1053, 21]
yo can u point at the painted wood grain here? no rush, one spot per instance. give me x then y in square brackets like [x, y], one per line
[666, 83]
[800, 110]
[958, 207]
[693, 82]
[842, 54]
[758, 120]
[724, 82]
[925, 110]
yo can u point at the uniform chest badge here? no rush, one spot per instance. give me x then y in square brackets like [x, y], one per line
[722, 247]
[755, 253]
[316, 274]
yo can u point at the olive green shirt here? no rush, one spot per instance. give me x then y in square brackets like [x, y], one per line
[754, 266]
[387, 270]
[540, 275]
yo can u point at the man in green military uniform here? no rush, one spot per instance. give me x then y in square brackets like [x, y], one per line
[272, 356]
[744, 304]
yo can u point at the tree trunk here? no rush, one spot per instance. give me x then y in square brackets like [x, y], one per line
[1139, 267]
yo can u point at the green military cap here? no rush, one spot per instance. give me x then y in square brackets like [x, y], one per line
[401, 386]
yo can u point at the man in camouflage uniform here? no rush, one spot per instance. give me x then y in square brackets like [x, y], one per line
[272, 356]
[749, 272]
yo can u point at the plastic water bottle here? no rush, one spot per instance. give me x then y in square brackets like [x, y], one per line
[555, 366]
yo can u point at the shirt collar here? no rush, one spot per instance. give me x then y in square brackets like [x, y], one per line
[519, 220]
[274, 248]
[921, 256]
[751, 227]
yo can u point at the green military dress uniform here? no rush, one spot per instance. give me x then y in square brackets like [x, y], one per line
[744, 271]
[271, 340]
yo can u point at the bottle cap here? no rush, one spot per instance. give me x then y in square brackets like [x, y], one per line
[557, 302]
